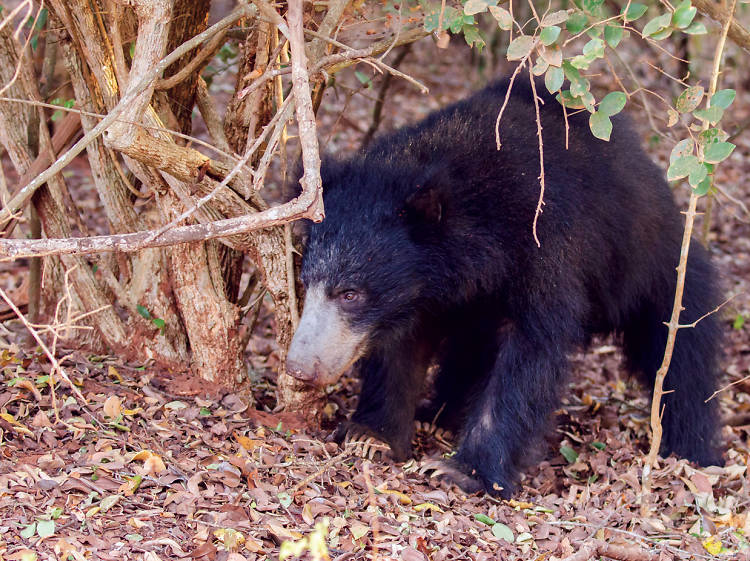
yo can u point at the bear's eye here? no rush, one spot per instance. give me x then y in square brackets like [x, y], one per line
[349, 296]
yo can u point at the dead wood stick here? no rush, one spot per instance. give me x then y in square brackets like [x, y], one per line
[301, 207]
[595, 548]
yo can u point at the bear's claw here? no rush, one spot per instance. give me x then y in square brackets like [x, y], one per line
[362, 440]
[454, 472]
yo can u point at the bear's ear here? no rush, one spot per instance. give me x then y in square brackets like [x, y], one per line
[427, 204]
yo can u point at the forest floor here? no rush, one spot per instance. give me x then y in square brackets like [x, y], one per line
[149, 468]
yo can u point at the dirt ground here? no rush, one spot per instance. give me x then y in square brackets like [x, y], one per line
[151, 469]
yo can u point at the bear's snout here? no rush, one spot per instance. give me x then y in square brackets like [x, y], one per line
[304, 371]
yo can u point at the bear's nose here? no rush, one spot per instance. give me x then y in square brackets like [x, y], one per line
[303, 371]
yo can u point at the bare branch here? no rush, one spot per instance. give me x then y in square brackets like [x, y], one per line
[186, 71]
[45, 349]
[311, 182]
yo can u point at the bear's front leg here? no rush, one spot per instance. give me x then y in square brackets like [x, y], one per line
[508, 415]
[391, 381]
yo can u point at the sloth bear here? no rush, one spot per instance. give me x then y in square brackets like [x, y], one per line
[426, 257]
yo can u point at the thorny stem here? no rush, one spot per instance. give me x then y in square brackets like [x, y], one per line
[540, 202]
[674, 322]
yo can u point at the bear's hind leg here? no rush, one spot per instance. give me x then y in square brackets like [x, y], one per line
[690, 424]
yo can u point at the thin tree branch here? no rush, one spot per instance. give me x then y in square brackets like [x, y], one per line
[540, 201]
[186, 71]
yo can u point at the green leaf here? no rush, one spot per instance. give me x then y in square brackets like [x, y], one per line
[703, 187]
[613, 103]
[484, 519]
[717, 152]
[587, 98]
[29, 531]
[160, 323]
[594, 32]
[451, 17]
[569, 100]
[592, 6]
[613, 35]
[600, 125]
[682, 167]
[713, 114]
[690, 99]
[569, 454]
[363, 78]
[503, 17]
[598, 445]
[682, 148]
[594, 48]
[581, 62]
[553, 79]
[45, 528]
[285, 499]
[663, 34]
[549, 34]
[42, 20]
[578, 84]
[540, 67]
[476, 6]
[723, 98]
[713, 134]
[520, 47]
[684, 15]
[697, 175]
[204, 412]
[473, 37]
[143, 311]
[739, 322]
[457, 21]
[576, 22]
[657, 24]
[503, 532]
[635, 11]
[555, 18]
[695, 28]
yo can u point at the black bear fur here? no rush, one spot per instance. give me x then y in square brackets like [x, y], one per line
[428, 233]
